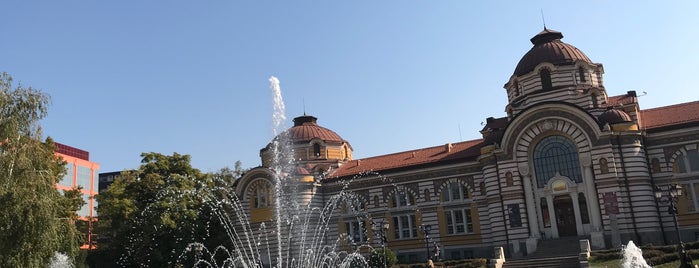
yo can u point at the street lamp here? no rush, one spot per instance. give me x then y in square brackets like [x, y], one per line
[425, 229]
[671, 194]
[380, 230]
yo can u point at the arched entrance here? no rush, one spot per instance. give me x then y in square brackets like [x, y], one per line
[565, 216]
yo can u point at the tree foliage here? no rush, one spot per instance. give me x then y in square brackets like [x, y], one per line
[35, 219]
[381, 258]
[153, 213]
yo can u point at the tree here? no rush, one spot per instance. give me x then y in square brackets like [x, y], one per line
[154, 213]
[35, 220]
[381, 258]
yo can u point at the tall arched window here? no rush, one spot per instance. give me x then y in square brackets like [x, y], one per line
[556, 155]
[655, 165]
[404, 222]
[581, 74]
[603, 166]
[595, 103]
[316, 150]
[545, 76]
[457, 219]
[262, 195]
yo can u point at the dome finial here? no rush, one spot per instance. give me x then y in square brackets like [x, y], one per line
[543, 19]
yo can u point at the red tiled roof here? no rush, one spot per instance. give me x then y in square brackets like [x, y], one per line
[670, 115]
[305, 129]
[460, 150]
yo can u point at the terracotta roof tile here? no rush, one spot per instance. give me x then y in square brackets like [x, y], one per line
[460, 150]
[670, 115]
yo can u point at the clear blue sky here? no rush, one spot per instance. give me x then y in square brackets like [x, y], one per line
[191, 77]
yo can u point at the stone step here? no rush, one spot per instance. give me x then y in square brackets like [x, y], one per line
[555, 262]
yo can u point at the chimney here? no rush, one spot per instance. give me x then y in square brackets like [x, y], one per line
[631, 93]
[448, 147]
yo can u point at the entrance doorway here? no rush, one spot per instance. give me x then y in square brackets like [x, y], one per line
[565, 216]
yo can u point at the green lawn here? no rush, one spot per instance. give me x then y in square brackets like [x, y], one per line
[617, 264]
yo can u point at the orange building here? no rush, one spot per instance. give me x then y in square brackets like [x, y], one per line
[80, 172]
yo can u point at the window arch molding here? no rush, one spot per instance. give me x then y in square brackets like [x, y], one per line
[260, 193]
[685, 160]
[455, 190]
[402, 197]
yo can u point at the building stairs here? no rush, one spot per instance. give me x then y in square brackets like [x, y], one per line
[560, 253]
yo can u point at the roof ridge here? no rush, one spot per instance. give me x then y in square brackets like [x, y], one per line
[420, 149]
[670, 106]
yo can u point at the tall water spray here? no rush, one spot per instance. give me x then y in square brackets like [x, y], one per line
[300, 223]
[278, 119]
[632, 257]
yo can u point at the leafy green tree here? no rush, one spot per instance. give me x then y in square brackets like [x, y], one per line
[154, 213]
[381, 258]
[35, 219]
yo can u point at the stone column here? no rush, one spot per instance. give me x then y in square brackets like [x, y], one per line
[533, 222]
[552, 217]
[597, 233]
[529, 198]
[576, 211]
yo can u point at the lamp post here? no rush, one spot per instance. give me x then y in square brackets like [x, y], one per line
[380, 229]
[426, 228]
[671, 194]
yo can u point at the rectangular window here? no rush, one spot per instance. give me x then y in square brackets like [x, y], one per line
[404, 226]
[67, 179]
[459, 221]
[693, 157]
[84, 211]
[356, 231]
[83, 177]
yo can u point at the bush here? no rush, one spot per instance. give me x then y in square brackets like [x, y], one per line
[380, 259]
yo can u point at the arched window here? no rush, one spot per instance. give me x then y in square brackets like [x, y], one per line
[316, 150]
[482, 188]
[454, 191]
[581, 74]
[404, 222]
[427, 195]
[556, 155]
[458, 220]
[262, 195]
[603, 166]
[508, 179]
[595, 103]
[686, 163]
[655, 165]
[545, 76]
[516, 88]
[403, 199]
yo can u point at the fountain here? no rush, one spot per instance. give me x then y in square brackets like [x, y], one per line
[298, 237]
[632, 257]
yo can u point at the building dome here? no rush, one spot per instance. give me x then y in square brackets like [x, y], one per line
[548, 47]
[306, 129]
[613, 116]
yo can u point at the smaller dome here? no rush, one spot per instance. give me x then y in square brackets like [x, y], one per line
[548, 47]
[306, 128]
[613, 116]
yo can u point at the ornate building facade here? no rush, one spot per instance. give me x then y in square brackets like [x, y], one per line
[567, 160]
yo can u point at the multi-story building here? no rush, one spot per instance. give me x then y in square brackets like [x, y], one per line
[106, 179]
[567, 161]
[80, 172]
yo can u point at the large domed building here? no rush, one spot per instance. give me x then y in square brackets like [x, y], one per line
[568, 161]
